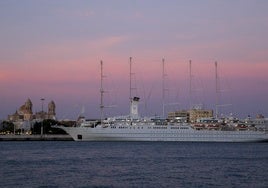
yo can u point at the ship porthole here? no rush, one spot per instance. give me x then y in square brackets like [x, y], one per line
[79, 137]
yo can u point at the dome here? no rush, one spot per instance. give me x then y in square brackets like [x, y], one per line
[28, 102]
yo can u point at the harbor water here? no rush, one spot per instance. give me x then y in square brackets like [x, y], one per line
[132, 164]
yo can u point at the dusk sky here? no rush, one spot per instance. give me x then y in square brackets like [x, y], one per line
[52, 50]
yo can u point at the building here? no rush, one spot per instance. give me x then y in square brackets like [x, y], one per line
[196, 114]
[49, 114]
[25, 113]
[189, 115]
[179, 116]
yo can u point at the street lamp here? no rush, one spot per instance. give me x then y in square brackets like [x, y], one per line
[42, 116]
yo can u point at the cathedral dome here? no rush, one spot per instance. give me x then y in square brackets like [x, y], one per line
[26, 108]
[28, 102]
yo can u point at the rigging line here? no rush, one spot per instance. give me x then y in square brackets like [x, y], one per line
[144, 93]
[149, 96]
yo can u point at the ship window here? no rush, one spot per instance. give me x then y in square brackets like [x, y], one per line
[79, 137]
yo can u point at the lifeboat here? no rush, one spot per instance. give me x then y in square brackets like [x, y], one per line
[213, 126]
[199, 126]
[241, 127]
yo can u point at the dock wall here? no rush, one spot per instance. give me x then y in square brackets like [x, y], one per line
[11, 137]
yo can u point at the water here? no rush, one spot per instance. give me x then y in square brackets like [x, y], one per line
[133, 164]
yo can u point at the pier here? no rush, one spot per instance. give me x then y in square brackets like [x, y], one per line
[25, 137]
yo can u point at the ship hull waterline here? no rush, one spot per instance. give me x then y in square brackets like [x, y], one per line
[189, 135]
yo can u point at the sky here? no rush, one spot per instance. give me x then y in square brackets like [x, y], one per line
[53, 49]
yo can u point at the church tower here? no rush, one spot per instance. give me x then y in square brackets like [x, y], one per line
[51, 110]
[26, 110]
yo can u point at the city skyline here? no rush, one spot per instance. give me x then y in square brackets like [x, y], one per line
[53, 50]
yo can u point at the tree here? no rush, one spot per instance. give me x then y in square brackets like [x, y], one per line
[47, 127]
[7, 126]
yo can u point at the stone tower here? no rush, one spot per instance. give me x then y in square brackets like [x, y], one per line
[51, 110]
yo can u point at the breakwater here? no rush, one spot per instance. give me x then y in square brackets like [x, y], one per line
[47, 137]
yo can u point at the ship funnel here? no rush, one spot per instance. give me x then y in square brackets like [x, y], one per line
[134, 108]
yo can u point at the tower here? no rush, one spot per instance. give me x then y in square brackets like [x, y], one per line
[51, 110]
[28, 106]
[26, 110]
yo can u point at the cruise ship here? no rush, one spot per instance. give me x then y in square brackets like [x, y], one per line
[130, 128]
[134, 128]
[141, 132]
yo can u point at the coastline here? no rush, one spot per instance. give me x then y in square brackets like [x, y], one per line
[47, 137]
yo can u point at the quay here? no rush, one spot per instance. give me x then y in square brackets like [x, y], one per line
[45, 137]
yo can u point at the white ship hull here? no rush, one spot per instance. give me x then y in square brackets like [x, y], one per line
[162, 133]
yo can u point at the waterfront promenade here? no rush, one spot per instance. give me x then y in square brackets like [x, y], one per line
[25, 137]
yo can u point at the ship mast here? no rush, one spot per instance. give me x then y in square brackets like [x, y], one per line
[134, 101]
[101, 93]
[163, 87]
[190, 87]
[130, 79]
[217, 89]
